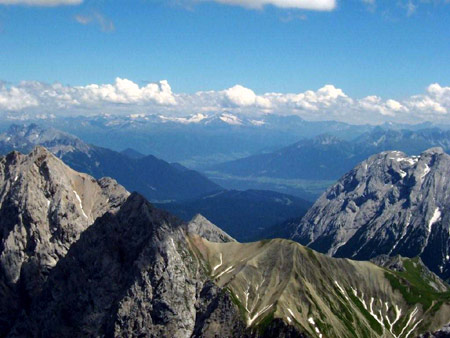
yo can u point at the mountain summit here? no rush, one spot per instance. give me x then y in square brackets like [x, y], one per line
[389, 204]
[44, 207]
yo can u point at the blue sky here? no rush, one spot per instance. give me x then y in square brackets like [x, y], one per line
[389, 48]
[206, 46]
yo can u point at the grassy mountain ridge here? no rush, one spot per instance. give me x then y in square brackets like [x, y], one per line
[319, 295]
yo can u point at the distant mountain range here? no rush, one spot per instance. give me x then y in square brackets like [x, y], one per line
[200, 140]
[152, 177]
[83, 257]
[390, 204]
[185, 192]
[323, 157]
[245, 215]
[328, 157]
[207, 139]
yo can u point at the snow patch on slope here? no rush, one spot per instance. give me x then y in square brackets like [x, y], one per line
[230, 119]
[436, 216]
[81, 204]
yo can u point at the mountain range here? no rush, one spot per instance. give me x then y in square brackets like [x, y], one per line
[309, 166]
[111, 264]
[199, 140]
[154, 178]
[328, 157]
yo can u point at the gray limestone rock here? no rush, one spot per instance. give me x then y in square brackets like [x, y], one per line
[131, 274]
[199, 225]
[390, 204]
[44, 207]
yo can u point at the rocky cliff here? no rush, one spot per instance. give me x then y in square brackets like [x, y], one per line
[44, 207]
[389, 204]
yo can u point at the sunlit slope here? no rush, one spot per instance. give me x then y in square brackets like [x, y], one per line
[323, 296]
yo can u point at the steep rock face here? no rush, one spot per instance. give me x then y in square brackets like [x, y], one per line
[44, 207]
[389, 204]
[131, 274]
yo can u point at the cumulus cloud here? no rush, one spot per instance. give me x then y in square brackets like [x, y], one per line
[240, 96]
[41, 3]
[124, 96]
[435, 101]
[376, 104]
[127, 92]
[315, 5]
[16, 98]
[58, 98]
[105, 24]
[321, 99]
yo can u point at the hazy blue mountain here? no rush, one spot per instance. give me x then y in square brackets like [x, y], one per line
[324, 158]
[200, 140]
[412, 142]
[132, 153]
[156, 179]
[243, 214]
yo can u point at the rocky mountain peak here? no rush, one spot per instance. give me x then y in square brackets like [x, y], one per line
[434, 151]
[201, 226]
[130, 274]
[389, 204]
[44, 207]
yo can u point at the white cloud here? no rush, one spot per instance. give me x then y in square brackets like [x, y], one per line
[42, 3]
[105, 24]
[127, 92]
[391, 9]
[321, 99]
[124, 96]
[240, 96]
[376, 104]
[410, 8]
[16, 98]
[436, 101]
[315, 5]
